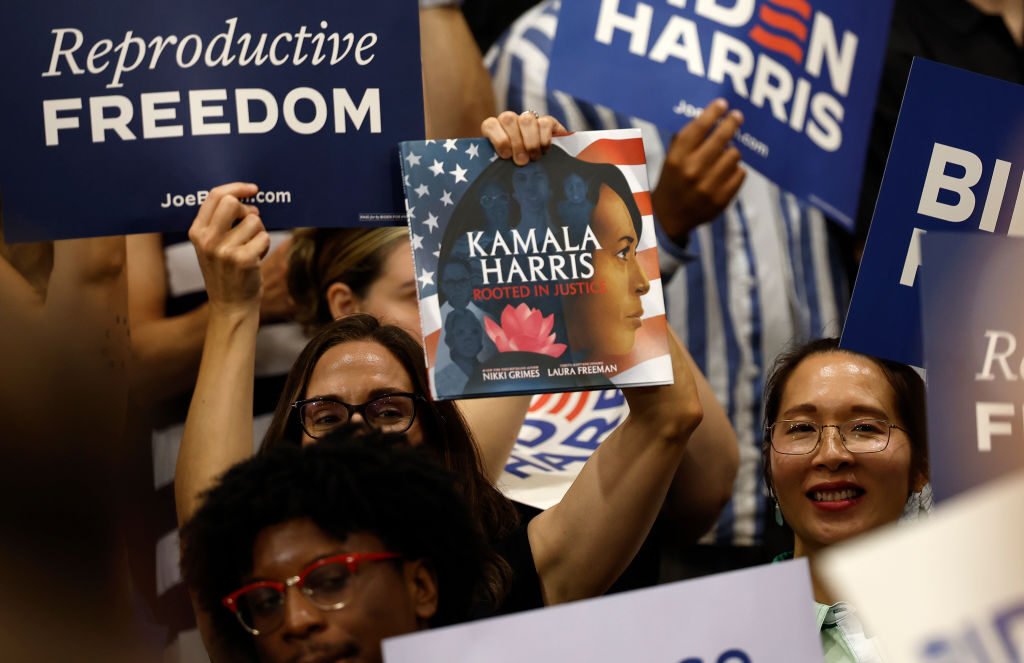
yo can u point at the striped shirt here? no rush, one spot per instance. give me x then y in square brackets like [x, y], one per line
[764, 275]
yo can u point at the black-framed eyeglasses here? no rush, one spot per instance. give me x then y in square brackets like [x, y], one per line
[259, 606]
[859, 436]
[391, 413]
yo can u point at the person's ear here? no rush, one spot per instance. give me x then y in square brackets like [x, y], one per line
[421, 583]
[341, 300]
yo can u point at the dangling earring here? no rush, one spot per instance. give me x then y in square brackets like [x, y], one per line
[778, 514]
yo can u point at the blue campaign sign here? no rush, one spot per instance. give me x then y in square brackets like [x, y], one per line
[804, 72]
[956, 163]
[973, 316]
[118, 115]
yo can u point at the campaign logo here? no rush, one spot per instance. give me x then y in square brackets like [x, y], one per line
[780, 31]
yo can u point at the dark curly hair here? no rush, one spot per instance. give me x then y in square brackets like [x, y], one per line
[353, 481]
[905, 382]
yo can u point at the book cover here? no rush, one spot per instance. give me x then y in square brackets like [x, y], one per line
[537, 278]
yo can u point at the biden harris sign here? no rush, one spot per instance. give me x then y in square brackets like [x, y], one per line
[803, 72]
[973, 316]
[119, 115]
[956, 164]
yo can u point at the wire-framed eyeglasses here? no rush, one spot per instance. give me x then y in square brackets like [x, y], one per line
[391, 413]
[859, 436]
[259, 606]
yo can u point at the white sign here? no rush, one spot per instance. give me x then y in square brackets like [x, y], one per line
[759, 615]
[946, 590]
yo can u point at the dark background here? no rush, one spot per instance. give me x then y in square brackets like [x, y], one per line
[489, 18]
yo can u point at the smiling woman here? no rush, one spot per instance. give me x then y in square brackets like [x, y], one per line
[845, 448]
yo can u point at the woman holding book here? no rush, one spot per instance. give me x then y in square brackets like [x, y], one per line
[845, 452]
[573, 555]
[573, 550]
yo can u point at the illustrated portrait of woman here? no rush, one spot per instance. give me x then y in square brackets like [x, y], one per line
[557, 192]
[606, 323]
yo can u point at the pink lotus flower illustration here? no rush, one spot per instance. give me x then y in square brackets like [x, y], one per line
[524, 329]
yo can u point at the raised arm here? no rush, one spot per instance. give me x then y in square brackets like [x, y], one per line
[703, 482]
[583, 544]
[218, 431]
[167, 348]
[457, 91]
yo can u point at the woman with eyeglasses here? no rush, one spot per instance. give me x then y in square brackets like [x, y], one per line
[845, 451]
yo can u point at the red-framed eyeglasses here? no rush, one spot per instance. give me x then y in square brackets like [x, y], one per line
[259, 606]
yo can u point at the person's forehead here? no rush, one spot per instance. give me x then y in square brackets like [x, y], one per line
[611, 216]
[398, 264]
[354, 370]
[838, 380]
[284, 549]
[531, 169]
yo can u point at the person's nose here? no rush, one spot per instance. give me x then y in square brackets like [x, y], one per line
[358, 419]
[301, 618]
[831, 452]
[640, 282]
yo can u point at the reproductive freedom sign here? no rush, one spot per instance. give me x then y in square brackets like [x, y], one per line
[119, 116]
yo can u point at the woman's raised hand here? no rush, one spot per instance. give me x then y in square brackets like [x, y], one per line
[523, 137]
[229, 254]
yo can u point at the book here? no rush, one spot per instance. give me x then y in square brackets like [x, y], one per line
[537, 278]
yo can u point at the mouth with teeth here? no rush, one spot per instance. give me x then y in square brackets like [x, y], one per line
[835, 498]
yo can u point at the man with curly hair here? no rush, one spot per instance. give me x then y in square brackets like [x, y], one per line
[317, 553]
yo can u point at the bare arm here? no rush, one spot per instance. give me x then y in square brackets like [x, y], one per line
[167, 349]
[457, 94]
[218, 430]
[703, 483]
[583, 544]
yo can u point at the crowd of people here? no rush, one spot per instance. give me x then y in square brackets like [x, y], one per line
[247, 414]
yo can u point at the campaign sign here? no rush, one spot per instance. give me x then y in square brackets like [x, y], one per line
[119, 116]
[755, 615]
[949, 589]
[803, 72]
[973, 316]
[955, 164]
